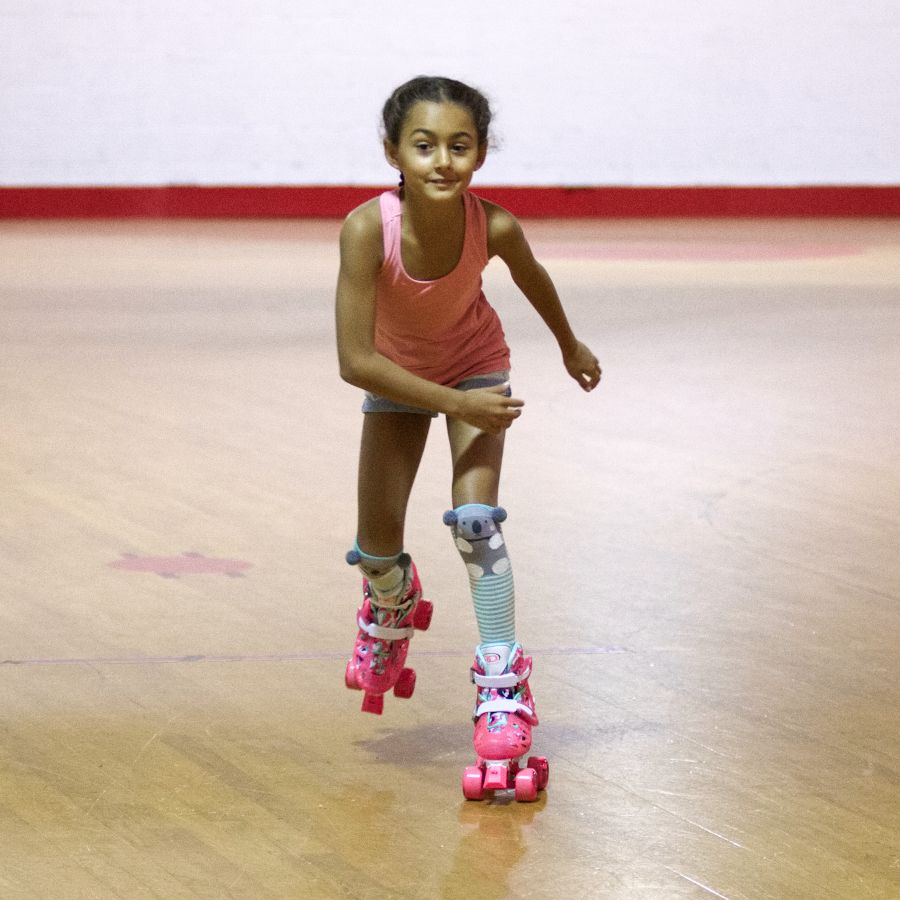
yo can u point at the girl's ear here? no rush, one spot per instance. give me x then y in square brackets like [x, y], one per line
[390, 154]
[482, 153]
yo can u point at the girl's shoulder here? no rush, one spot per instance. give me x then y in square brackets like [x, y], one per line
[363, 225]
[502, 227]
[365, 217]
[361, 243]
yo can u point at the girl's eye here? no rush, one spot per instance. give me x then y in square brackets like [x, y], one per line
[423, 146]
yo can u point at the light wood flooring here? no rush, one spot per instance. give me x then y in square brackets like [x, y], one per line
[706, 549]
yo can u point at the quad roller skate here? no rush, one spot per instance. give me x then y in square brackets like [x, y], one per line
[504, 716]
[377, 664]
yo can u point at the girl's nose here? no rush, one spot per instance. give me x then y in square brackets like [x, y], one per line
[442, 158]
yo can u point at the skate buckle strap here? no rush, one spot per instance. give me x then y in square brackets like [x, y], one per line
[507, 680]
[384, 632]
[505, 706]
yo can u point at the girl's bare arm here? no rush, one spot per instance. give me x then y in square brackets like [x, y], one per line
[506, 240]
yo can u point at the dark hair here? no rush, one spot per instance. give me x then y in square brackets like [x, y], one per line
[435, 90]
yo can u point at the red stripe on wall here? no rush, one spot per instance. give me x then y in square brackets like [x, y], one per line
[328, 201]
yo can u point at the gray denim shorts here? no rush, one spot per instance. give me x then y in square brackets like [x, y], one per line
[374, 403]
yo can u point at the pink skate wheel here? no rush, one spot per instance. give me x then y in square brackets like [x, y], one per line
[406, 684]
[472, 786]
[542, 767]
[421, 616]
[496, 778]
[526, 785]
[373, 703]
[350, 676]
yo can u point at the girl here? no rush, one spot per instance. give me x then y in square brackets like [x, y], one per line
[415, 331]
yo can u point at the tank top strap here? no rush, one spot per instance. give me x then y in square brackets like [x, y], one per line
[476, 231]
[391, 210]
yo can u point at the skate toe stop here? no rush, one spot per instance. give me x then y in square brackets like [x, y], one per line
[373, 703]
[496, 778]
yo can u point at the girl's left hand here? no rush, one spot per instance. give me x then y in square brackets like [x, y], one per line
[583, 366]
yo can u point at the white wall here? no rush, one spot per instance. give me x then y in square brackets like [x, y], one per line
[624, 92]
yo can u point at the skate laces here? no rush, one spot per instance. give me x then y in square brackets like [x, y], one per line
[379, 632]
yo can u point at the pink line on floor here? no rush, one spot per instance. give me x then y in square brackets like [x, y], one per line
[270, 657]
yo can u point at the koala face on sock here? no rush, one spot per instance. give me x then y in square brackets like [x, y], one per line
[480, 542]
[476, 527]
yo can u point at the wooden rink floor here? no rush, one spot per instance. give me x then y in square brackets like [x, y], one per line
[705, 549]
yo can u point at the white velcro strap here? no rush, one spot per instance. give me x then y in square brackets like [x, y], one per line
[503, 706]
[383, 633]
[510, 679]
[507, 680]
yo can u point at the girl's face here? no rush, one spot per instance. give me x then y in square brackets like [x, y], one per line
[438, 152]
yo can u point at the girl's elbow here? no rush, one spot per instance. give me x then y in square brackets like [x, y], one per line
[352, 370]
[348, 372]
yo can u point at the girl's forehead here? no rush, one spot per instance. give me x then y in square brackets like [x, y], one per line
[441, 116]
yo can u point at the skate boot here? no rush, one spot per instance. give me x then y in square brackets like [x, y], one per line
[504, 716]
[377, 665]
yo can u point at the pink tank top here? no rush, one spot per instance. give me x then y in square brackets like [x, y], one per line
[443, 330]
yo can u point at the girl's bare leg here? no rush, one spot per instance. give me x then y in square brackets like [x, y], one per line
[390, 452]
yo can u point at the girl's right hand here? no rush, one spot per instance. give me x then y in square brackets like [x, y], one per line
[489, 409]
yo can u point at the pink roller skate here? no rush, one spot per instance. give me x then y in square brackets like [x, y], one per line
[504, 717]
[377, 664]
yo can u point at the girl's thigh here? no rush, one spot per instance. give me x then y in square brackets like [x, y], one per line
[477, 459]
[477, 456]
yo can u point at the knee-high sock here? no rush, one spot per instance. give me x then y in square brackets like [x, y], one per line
[479, 539]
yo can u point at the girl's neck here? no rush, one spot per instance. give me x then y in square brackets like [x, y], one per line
[425, 217]
[433, 236]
